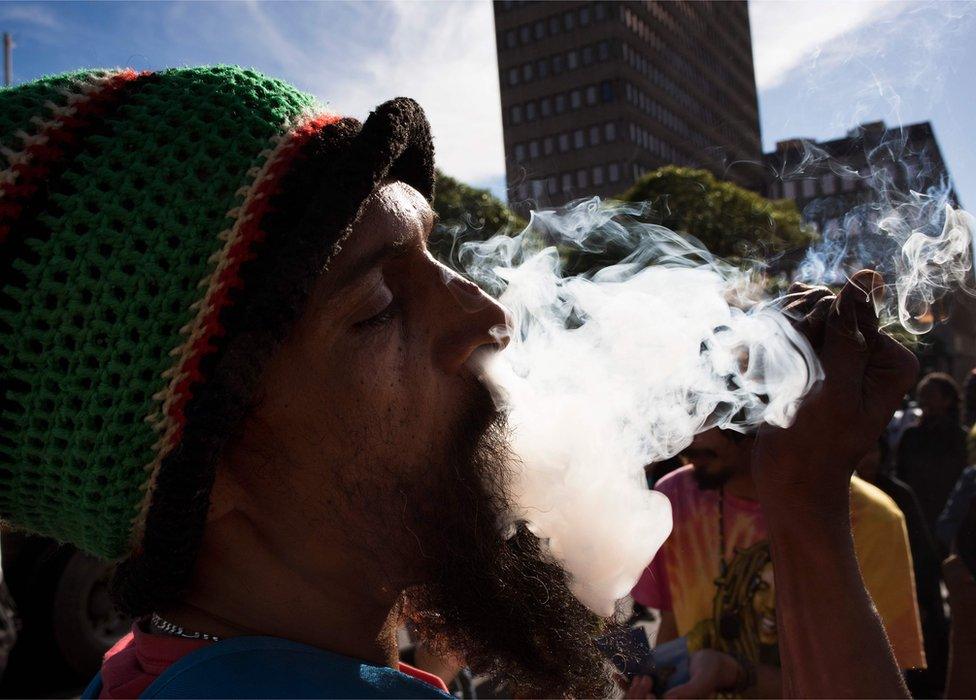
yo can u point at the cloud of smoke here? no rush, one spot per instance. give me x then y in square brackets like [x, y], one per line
[613, 369]
[913, 234]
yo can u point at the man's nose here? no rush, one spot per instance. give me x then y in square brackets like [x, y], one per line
[474, 321]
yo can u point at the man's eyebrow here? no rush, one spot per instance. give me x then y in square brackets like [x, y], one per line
[358, 269]
[391, 250]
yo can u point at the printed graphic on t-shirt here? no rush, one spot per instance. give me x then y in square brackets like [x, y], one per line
[743, 619]
[734, 609]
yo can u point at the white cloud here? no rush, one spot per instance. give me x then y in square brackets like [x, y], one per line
[788, 34]
[443, 55]
[40, 16]
[359, 55]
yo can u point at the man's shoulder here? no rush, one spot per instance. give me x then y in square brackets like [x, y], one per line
[871, 503]
[680, 481]
[267, 667]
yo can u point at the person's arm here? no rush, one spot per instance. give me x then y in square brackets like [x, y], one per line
[832, 643]
[712, 672]
[961, 677]
[956, 508]
[668, 629]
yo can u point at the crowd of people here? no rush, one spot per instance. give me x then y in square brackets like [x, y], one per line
[912, 503]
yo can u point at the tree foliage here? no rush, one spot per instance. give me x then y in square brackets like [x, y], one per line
[731, 221]
[467, 213]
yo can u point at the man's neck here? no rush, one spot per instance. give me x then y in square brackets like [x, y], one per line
[742, 486]
[242, 587]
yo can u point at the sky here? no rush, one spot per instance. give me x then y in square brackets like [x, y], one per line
[821, 67]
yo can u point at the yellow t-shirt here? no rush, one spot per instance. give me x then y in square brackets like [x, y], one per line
[735, 610]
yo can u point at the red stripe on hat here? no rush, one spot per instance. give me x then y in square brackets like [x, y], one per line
[228, 279]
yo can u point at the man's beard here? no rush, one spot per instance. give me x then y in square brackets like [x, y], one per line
[708, 481]
[501, 605]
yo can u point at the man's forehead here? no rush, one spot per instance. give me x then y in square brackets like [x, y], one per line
[394, 212]
[394, 216]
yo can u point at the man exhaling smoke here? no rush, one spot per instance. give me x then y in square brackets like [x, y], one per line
[498, 603]
[270, 418]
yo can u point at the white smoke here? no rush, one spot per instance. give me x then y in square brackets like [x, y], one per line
[917, 239]
[619, 366]
[610, 371]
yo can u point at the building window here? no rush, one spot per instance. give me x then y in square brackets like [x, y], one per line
[530, 111]
[587, 55]
[538, 188]
[519, 153]
[789, 189]
[542, 69]
[545, 107]
[606, 91]
[513, 76]
[553, 184]
[591, 95]
[609, 131]
[828, 183]
[567, 182]
[575, 99]
[539, 29]
[603, 49]
[598, 176]
[527, 72]
[560, 104]
[523, 191]
[594, 136]
[572, 60]
[582, 179]
[553, 26]
[569, 22]
[563, 143]
[510, 39]
[557, 64]
[600, 12]
[533, 149]
[613, 171]
[524, 34]
[578, 141]
[516, 114]
[584, 15]
[809, 188]
[848, 183]
[548, 146]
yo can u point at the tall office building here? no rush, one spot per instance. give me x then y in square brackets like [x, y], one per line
[595, 94]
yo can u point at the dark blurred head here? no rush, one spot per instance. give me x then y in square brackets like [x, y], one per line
[875, 460]
[938, 397]
[718, 455]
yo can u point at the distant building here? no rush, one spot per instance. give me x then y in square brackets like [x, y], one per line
[846, 184]
[827, 179]
[595, 94]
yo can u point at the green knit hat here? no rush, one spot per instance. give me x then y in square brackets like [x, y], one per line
[159, 234]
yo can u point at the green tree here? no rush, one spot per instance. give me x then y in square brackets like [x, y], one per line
[731, 221]
[466, 214]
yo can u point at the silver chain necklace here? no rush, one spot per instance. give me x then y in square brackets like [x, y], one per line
[175, 630]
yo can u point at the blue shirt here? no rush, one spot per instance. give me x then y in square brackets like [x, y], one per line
[268, 667]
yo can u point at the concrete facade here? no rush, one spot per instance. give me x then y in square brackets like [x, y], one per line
[595, 94]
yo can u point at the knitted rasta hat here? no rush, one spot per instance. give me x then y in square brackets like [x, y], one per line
[159, 235]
